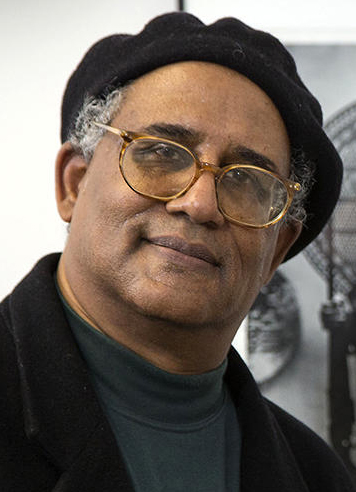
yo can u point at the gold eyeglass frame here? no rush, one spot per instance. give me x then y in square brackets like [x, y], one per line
[128, 137]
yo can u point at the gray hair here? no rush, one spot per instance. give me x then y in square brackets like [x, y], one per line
[301, 171]
[85, 136]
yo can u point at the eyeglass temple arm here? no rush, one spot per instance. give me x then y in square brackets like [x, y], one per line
[120, 133]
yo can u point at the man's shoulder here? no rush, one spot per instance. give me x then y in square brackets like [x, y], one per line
[36, 289]
[26, 317]
[18, 312]
[15, 448]
[286, 450]
[14, 310]
[314, 456]
[294, 430]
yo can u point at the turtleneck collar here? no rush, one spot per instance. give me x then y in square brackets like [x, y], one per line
[142, 390]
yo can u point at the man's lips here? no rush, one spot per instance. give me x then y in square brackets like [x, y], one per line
[199, 251]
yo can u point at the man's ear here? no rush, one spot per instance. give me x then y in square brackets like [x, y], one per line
[70, 169]
[287, 235]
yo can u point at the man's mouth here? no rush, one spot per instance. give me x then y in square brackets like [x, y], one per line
[195, 250]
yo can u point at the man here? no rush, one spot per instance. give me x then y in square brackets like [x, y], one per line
[183, 150]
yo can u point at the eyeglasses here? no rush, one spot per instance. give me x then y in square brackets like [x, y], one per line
[164, 170]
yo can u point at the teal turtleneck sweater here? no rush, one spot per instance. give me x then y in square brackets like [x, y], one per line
[175, 432]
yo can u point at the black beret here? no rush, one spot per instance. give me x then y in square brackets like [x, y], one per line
[170, 38]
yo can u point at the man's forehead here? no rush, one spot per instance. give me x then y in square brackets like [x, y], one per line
[194, 102]
[183, 71]
[208, 84]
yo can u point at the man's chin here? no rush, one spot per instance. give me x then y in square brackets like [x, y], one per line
[183, 309]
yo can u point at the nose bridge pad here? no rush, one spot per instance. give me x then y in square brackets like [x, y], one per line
[205, 166]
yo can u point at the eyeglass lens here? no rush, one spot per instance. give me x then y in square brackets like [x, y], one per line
[162, 169]
[251, 196]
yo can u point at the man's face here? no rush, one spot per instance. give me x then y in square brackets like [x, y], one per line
[181, 260]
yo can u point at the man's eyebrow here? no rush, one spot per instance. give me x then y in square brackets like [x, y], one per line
[173, 131]
[250, 156]
[182, 134]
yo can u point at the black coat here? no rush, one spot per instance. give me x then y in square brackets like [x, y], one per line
[55, 437]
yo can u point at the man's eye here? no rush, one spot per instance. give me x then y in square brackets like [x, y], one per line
[167, 152]
[245, 181]
[240, 177]
[160, 156]
[159, 151]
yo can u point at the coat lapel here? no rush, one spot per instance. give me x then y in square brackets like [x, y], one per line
[267, 462]
[61, 411]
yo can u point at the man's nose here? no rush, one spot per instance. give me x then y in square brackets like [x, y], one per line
[199, 202]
